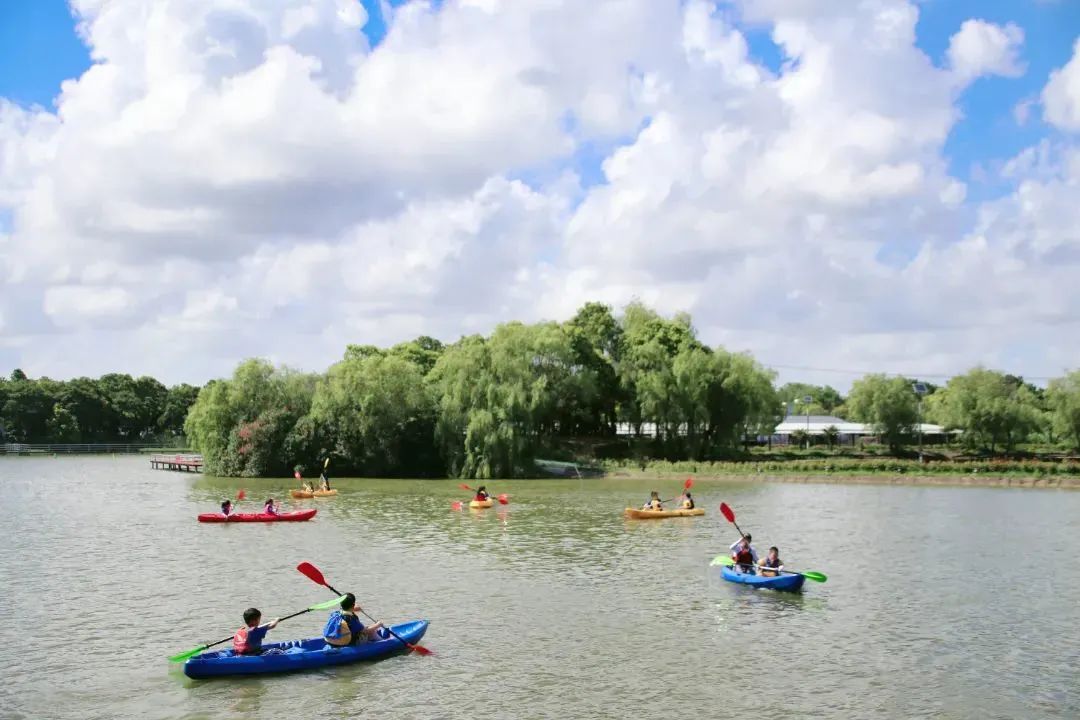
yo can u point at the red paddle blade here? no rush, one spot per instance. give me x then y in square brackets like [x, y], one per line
[504, 499]
[420, 650]
[688, 484]
[311, 572]
[456, 505]
[240, 495]
[726, 512]
[463, 486]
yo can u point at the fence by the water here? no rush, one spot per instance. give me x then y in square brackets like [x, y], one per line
[181, 463]
[78, 448]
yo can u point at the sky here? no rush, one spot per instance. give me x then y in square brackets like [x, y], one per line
[836, 186]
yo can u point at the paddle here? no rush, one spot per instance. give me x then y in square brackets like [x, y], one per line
[315, 575]
[727, 513]
[503, 499]
[808, 574]
[180, 657]
[685, 486]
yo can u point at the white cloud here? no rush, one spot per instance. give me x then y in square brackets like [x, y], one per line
[1061, 97]
[984, 48]
[248, 178]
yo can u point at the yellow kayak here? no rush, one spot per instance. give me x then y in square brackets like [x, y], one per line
[309, 493]
[633, 514]
[478, 504]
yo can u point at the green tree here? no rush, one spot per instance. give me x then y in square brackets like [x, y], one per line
[992, 409]
[178, 402]
[596, 339]
[1063, 399]
[240, 425]
[62, 427]
[825, 397]
[379, 414]
[423, 352]
[886, 403]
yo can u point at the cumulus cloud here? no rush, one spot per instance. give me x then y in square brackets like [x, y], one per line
[249, 178]
[984, 48]
[1061, 97]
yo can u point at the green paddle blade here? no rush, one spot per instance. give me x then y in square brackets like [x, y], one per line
[722, 560]
[336, 602]
[181, 657]
[815, 576]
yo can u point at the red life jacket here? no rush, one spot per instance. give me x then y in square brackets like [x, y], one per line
[744, 557]
[240, 641]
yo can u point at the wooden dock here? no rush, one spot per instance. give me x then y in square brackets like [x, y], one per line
[179, 463]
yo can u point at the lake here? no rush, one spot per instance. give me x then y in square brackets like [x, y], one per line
[941, 602]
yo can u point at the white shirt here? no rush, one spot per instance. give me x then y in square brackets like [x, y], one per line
[753, 552]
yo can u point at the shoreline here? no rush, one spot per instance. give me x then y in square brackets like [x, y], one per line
[1050, 482]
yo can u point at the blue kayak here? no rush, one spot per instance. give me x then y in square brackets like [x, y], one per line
[790, 583]
[309, 654]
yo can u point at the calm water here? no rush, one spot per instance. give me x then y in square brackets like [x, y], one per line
[941, 603]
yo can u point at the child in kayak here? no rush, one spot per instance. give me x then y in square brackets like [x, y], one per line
[248, 639]
[771, 565]
[226, 508]
[324, 481]
[744, 555]
[482, 494]
[268, 507]
[688, 501]
[344, 628]
[653, 503]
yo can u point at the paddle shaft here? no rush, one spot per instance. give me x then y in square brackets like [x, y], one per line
[398, 637]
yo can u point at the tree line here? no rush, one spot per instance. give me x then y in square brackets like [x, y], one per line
[112, 408]
[490, 406]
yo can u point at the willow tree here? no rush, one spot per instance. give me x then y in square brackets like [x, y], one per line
[240, 425]
[992, 409]
[1063, 399]
[378, 415]
[888, 404]
[501, 399]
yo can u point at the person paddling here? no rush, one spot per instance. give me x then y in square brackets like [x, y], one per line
[482, 494]
[226, 508]
[688, 501]
[343, 627]
[653, 503]
[268, 507]
[771, 565]
[324, 480]
[744, 555]
[248, 639]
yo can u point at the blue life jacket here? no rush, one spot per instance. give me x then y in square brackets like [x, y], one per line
[332, 631]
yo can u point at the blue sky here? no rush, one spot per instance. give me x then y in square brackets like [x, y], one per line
[40, 48]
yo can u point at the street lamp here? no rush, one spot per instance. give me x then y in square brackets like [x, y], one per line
[920, 390]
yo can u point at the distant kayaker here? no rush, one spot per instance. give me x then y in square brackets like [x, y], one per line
[248, 639]
[268, 507]
[771, 565]
[306, 486]
[688, 501]
[324, 480]
[653, 503]
[482, 494]
[344, 628]
[226, 508]
[743, 553]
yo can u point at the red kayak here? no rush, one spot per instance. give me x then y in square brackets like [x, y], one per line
[295, 516]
